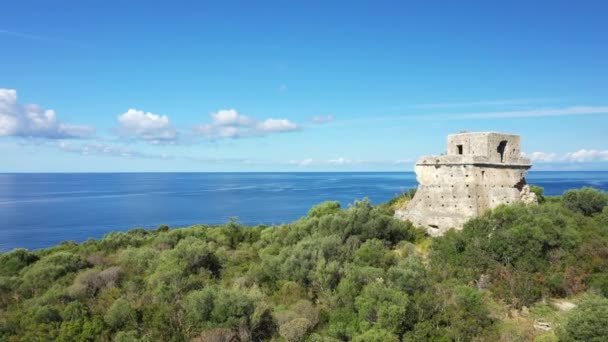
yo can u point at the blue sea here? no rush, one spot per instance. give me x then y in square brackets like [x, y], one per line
[41, 210]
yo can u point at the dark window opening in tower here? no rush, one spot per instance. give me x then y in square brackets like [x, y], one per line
[501, 150]
[459, 149]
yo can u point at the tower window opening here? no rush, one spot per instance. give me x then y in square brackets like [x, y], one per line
[501, 150]
[459, 149]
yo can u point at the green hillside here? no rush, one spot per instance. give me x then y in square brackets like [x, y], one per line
[519, 273]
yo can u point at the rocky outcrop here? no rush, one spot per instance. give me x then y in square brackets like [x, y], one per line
[527, 196]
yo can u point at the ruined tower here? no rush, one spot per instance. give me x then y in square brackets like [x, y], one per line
[480, 171]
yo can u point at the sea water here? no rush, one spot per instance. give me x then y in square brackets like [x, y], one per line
[41, 210]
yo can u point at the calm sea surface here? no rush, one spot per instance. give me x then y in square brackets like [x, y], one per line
[40, 210]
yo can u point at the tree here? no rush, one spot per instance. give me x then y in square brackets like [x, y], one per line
[42, 274]
[539, 191]
[376, 335]
[12, 262]
[379, 306]
[587, 322]
[373, 253]
[295, 330]
[586, 201]
[216, 307]
[325, 208]
[121, 315]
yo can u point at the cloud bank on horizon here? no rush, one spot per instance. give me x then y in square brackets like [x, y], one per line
[31, 121]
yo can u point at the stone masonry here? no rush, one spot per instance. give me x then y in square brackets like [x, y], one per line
[480, 171]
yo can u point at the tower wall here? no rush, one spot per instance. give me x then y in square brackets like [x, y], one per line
[453, 188]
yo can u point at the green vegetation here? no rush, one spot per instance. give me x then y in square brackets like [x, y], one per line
[335, 275]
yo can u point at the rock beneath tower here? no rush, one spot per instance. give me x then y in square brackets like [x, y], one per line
[480, 171]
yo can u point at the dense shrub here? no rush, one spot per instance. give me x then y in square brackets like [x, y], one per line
[380, 306]
[539, 191]
[326, 208]
[121, 315]
[90, 282]
[295, 330]
[337, 274]
[12, 262]
[216, 307]
[44, 272]
[587, 322]
[586, 201]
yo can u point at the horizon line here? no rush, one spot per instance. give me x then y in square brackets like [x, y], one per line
[217, 172]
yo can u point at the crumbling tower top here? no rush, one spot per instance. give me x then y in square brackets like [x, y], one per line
[480, 148]
[496, 147]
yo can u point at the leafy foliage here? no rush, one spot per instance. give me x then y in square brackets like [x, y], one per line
[539, 191]
[335, 275]
[586, 201]
[587, 322]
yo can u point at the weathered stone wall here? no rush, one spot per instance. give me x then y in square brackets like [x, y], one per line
[485, 144]
[454, 188]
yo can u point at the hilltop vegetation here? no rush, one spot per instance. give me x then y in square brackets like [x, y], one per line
[335, 275]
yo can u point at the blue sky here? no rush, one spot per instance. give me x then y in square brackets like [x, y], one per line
[297, 86]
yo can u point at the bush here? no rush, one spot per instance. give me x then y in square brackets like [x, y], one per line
[376, 335]
[121, 315]
[408, 275]
[586, 201]
[137, 260]
[380, 306]
[539, 191]
[598, 282]
[162, 228]
[325, 208]
[90, 282]
[42, 274]
[216, 307]
[12, 262]
[217, 335]
[126, 336]
[373, 253]
[295, 330]
[587, 322]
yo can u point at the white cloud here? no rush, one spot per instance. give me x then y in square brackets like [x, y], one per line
[580, 156]
[103, 149]
[584, 155]
[276, 125]
[577, 110]
[340, 161]
[541, 156]
[228, 123]
[478, 103]
[303, 162]
[230, 117]
[322, 119]
[147, 126]
[31, 120]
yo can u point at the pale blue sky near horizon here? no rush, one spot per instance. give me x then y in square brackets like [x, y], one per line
[297, 86]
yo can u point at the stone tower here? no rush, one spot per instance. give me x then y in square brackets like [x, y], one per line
[480, 171]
